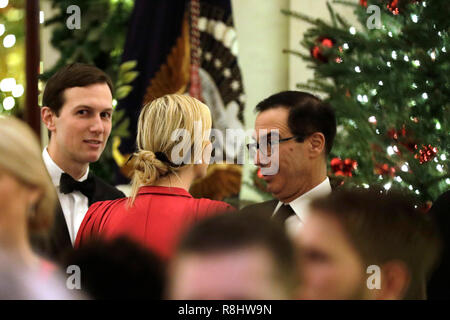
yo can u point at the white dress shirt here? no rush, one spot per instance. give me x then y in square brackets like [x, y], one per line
[75, 204]
[301, 206]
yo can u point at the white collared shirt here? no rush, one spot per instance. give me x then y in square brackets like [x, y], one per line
[301, 206]
[75, 204]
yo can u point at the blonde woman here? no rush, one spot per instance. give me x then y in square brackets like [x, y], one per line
[173, 149]
[27, 195]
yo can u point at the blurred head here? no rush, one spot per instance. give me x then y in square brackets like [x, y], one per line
[177, 126]
[77, 110]
[117, 269]
[234, 256]
[27, 194]
[311, 125]
[362, 244]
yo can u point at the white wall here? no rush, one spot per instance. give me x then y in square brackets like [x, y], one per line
[263, 32]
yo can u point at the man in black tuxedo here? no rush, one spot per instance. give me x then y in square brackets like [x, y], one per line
[77, 110]
[439, 283]
[294, 134]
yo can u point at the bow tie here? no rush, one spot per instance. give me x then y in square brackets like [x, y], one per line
[67, 184]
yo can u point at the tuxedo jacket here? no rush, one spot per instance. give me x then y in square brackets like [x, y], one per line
[265, 208]
[53, 244]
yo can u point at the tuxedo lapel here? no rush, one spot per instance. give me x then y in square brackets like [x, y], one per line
[104, 191]
[61, 235]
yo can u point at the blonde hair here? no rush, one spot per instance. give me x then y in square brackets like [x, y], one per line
[157, 123]
[21, 157]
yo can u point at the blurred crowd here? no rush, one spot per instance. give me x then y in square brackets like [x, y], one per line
[67, 234]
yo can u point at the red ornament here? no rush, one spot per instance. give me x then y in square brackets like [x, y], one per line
[259, 174]
[426, 153]
[425, 208]
[384, 170]
[343, 167]
[317, 50]
[363, 3]
[393, 6]
[402, 137]
[395, 134]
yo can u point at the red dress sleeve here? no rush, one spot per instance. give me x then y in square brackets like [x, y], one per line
[213, 207]
[92, 223]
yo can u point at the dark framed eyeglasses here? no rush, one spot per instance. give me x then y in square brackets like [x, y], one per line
[254, 146]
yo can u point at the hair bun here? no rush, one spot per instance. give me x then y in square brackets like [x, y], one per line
[148, 167]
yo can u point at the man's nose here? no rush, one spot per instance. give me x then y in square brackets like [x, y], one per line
[97, 125]
[260, 159]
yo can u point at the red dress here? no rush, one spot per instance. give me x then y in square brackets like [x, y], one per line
[157, 218]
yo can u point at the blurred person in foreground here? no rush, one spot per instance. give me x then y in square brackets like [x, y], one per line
[118, 269]
[160, 206]
[27, 204]
[362, 244]
[27, 196]
[234, 256]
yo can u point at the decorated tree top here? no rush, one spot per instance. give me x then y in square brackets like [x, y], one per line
[389, 82]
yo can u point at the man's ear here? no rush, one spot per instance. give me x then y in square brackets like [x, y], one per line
[48, 117]
[316, 144]
[395, 280]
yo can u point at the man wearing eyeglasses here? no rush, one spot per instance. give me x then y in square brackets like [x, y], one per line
[294, 135]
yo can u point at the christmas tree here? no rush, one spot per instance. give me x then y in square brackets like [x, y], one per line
[12, 61]
[389, 82]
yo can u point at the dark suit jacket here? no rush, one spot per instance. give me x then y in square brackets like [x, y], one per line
[57, 241]
[439, 283]
[265, 208]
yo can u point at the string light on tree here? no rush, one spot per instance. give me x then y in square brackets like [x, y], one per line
[9, 41]
[404, 167]
[7, 84]
[18, 91]
[8, 103]
[2, 29]
[3, 3]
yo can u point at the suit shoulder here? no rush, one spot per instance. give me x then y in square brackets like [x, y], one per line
[106, 188]
[266, 205]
